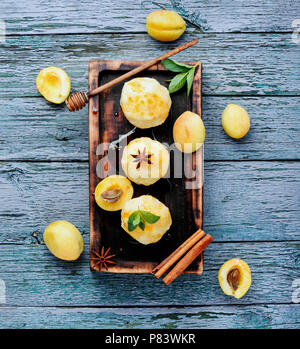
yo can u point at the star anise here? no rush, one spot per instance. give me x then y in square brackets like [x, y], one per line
[141, 157]
[102, 259]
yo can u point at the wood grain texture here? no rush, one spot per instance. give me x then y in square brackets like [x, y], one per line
[243, 201]
[243, 64]
[34, 277]
[219, 317]
[88, 16]
[33, 129]
[183, 196]
[250, 200]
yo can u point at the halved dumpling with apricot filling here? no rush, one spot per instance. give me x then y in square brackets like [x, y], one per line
[235, 277]
[113, 192]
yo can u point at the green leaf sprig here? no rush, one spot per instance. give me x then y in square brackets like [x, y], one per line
[185, 75]
[139, 218]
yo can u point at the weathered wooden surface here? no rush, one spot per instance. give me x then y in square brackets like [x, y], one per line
[206, 317]
[33, 129]
[35, 278]
[89, 16]
[251, 196]
[38, 193]
[239, 64]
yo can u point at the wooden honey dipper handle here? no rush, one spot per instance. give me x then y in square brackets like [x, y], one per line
[78, 100]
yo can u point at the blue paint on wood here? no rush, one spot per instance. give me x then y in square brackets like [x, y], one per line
[251, 207]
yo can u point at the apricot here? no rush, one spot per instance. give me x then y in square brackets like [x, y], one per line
[63, 240]
[188, 132]
[235, 121]
[54, 84]
[165, 25]
[113, 192]
[235, 277]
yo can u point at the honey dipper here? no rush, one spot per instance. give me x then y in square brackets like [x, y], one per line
[78, 100]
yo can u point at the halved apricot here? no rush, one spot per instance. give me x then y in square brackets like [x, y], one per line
[113, 192]
[235, 277]
[54, 84]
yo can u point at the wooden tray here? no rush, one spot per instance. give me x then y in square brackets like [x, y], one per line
[106, 123]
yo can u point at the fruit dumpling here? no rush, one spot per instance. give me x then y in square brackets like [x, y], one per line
[235, 277]
[113, 192]
[145, 161]
[54, 84]
[146, 219]
[145, 102]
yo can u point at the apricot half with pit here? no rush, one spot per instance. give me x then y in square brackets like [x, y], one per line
[235, 277]
[165, 25]
[113, 192]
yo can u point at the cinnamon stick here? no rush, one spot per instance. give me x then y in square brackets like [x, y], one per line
[160, 269]
[188, 259]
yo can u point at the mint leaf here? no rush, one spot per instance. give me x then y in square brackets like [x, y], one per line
[190, 79]
[186, 75]
[142, 224]
[174, 66]
[138, 218]
[134, 220]
[178, 82]
[149, 217]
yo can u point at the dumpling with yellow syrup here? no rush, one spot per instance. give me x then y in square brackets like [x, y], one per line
[146, 219]
[145, 102]
[145, 160]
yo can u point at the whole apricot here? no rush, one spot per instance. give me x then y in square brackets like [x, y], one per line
[188, 132]
[235, 277]
[64, 240]
[235, 121]
[165, 25]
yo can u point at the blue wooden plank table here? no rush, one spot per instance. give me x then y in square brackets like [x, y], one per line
[251, 56]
